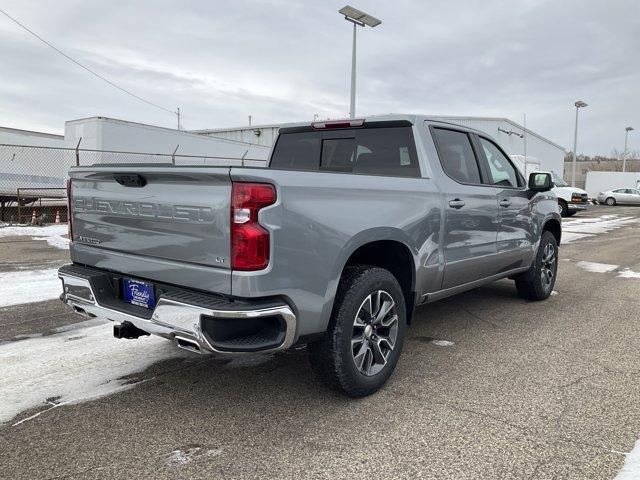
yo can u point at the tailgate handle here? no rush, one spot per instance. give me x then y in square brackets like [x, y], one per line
[130, 180]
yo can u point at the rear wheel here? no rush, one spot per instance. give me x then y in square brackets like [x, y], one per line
[365, 333]
[610, 201]
[537, 282]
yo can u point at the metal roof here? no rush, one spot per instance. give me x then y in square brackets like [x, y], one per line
[19, 131]
[392, 116]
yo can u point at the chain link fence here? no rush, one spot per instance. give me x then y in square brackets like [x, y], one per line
[33, 178]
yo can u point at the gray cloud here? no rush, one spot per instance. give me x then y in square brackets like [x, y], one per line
[283, 61]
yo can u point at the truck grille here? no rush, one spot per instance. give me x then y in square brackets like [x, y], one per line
[579, 198]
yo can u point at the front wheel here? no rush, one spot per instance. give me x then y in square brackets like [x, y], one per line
[610, 201]
[537, 283]
[564, 208]
[365, 333]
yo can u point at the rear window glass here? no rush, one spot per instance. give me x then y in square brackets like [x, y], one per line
[337, 154]
[456, 155]
[297, 151]
[373, 151]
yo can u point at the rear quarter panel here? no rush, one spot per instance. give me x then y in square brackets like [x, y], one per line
[321, 218]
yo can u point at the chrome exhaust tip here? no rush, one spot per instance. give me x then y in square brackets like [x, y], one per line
[188, 344]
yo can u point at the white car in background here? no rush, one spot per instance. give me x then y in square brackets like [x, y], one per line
[620, 196]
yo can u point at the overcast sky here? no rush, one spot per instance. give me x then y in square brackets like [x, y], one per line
[285, 60]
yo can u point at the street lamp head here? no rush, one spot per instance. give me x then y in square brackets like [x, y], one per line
[628, 129]
[354, 15]
[580, 104]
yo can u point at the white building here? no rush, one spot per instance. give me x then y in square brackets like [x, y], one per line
[103, 133]
[15, 136]
[547, 155]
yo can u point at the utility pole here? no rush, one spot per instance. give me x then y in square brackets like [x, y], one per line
[624, 154]
[525, 147]
[579, 104]
[352, 104]
[361, 19]
[178, 115]
[249, 120]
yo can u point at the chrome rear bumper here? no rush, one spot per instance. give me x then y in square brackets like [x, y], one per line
[175, 320]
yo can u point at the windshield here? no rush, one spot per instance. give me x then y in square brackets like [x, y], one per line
[559, 181]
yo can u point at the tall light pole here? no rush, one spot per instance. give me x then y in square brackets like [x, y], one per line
[359, 19]
[579, 104]
[624, 154]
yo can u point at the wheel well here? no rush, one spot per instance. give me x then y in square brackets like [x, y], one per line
[553, 226]
[395, 257]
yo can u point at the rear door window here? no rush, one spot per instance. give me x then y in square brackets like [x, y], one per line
[456, 155]
[386, 151]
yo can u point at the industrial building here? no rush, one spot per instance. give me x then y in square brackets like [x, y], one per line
[47, 167]
[15, 136]
[510, 135]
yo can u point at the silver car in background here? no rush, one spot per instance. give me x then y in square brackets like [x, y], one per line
[620, 196]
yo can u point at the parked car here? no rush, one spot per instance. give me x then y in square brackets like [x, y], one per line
[353, 225]
[620, 196]
[571, 200]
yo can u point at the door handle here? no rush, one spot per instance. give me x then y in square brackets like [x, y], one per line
[456, 203]
[505, 203]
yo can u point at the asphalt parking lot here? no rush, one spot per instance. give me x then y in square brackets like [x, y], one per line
[488, 386]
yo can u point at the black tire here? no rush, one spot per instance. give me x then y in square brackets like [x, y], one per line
[530, 285]
[564, 209]
[610, 201]
[334, 357]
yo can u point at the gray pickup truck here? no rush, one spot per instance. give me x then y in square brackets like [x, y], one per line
[353, 225]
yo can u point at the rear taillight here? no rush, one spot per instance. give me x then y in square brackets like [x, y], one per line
[69, 223]
[249, 240]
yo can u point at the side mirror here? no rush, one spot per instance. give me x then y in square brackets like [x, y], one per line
[540, 182]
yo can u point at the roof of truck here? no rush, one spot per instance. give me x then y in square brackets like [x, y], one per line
[389, 117]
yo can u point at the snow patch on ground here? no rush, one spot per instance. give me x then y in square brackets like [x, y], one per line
[631, 468]
[628, 273]
[54, 235]
[443, 343]
[72, 366]
[29, 286]
[597, 267]
[586, 227]
[606, 268]
[177, 458]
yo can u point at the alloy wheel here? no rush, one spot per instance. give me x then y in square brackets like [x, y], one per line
[547, 270]
[375, 330]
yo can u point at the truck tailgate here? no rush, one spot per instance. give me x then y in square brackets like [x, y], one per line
[176, 215]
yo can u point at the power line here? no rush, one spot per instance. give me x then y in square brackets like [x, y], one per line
[87, 68]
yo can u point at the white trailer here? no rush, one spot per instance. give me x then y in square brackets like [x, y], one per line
[102, 133]
[602, 181]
